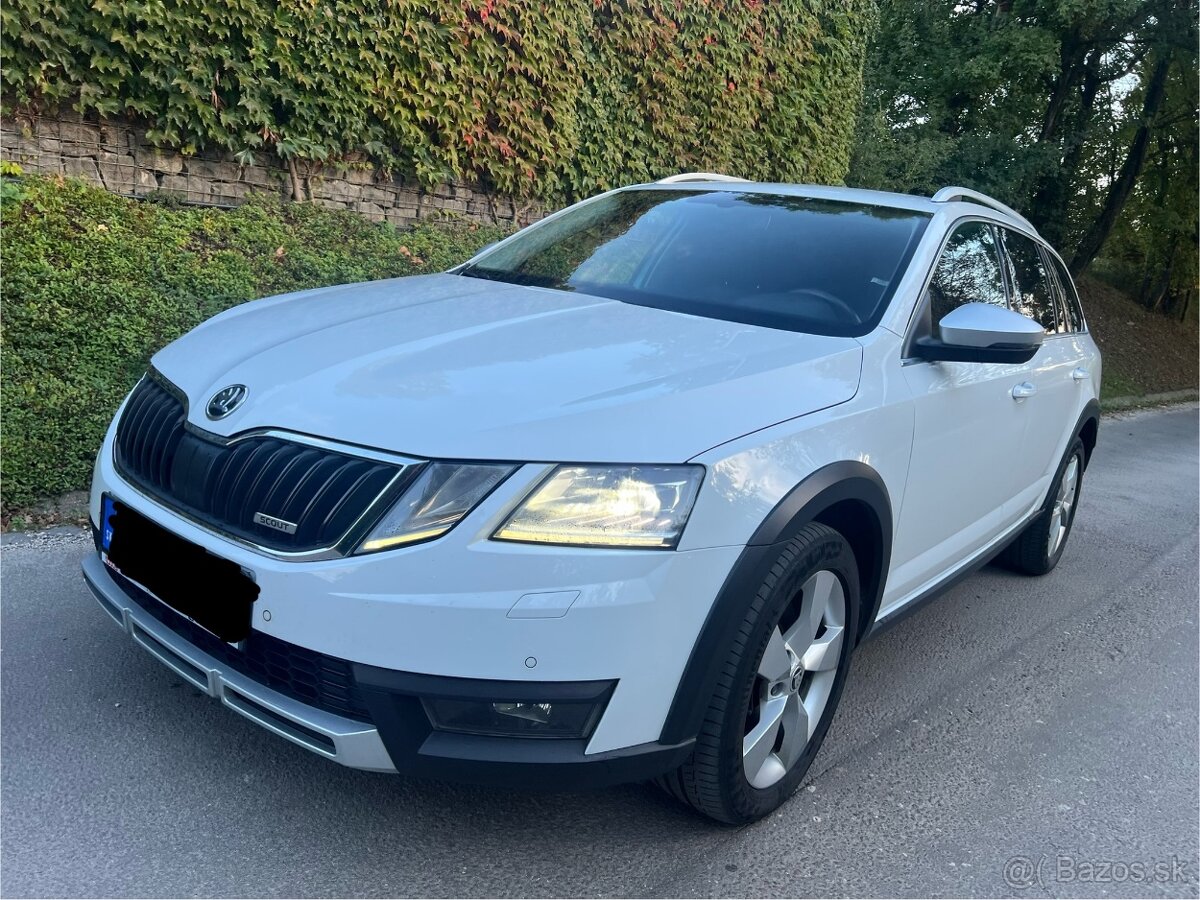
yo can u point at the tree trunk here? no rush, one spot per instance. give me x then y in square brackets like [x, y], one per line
[297, 185]
[1068, 73]
[1164, 281]
[1053, 195]
[1122, 185]
[1087, 105]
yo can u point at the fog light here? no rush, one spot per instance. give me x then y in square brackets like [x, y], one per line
[530, 719]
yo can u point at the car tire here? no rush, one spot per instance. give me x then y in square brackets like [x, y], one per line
[778, 685]
[1040, 546]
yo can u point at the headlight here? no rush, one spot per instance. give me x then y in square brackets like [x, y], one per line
[442, 494]
[607, 506]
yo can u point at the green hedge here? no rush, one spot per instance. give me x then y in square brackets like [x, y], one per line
[553, 98]
[93, 284]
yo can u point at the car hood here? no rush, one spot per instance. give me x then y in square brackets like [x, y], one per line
[455, 367]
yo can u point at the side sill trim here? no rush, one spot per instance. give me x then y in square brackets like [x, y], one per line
[1091, 410]
[931, 593]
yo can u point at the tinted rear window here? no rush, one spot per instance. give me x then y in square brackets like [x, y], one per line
[1070, 297]
[1033, 294]
[786, 262]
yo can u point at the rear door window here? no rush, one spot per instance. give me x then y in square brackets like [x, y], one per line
[1069, 297]
[1033, 291]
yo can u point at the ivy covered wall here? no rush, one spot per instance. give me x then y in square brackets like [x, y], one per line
[555, 99]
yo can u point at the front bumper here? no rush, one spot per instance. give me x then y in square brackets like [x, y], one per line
[350, 742]
[459, 610]
[395, 733]
[466, 607]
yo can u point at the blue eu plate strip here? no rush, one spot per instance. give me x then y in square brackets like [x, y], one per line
[106, 513]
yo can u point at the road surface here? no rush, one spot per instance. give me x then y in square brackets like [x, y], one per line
[1023, 737]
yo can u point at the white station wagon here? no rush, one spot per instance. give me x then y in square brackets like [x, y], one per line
[614, 500]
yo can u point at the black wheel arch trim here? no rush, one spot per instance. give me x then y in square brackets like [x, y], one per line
[819, 492]
[1091, 412]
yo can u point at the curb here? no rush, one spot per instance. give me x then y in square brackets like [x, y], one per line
[1119, 404]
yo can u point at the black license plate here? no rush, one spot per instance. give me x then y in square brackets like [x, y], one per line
[214, 593]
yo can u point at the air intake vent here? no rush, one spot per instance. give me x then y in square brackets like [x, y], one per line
[281, 494]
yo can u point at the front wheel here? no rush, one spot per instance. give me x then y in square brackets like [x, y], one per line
[779, 684]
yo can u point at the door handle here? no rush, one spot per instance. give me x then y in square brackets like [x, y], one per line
[1079, 373]
[1023, 390]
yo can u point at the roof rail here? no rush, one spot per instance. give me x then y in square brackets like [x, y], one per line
[950, 194]
[698, 176]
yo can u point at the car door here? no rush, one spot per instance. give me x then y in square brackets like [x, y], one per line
[1054, 404]
[967, 425]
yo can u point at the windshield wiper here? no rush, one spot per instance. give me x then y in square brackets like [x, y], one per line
[522, 278]
[489, 274]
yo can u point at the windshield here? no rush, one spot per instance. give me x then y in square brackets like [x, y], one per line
[794, 263]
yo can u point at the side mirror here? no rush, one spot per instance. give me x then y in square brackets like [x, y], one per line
[982, 332]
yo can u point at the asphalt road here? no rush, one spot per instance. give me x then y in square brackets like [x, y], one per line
[1040, 729]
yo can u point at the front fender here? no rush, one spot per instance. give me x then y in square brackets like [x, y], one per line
[845, 495]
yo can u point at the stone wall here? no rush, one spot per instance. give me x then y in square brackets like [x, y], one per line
[116, 155]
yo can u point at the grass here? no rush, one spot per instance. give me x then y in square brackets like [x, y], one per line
[93, 284]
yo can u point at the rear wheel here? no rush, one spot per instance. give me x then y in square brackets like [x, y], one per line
[779, 684]
[1040, 546]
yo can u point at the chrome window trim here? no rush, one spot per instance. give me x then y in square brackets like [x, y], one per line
[1056, 288]
[1041, 242]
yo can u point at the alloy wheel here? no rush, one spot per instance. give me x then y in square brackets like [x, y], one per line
[795, 680]
[1064, 502]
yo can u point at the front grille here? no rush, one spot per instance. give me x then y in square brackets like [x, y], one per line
[224, 484]
[325, 682]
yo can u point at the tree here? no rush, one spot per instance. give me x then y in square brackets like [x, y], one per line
[1122, 186]
[1053, 106]
[1151, 251]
